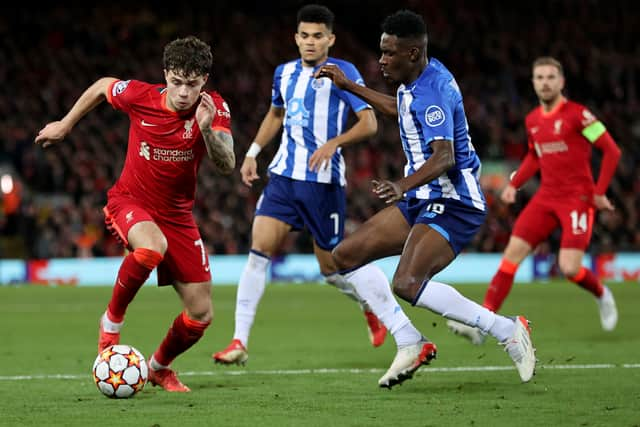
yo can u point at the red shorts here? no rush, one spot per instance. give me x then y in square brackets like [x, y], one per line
[540, 217]
[186, 259]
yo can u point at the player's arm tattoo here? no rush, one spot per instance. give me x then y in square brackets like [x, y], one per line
[220, 150]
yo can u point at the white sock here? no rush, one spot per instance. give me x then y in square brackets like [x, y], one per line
[372, 285]
[250, 290]
[346, 288]
[109, 326]
[503, 328]
[153, 363]
[447, 301]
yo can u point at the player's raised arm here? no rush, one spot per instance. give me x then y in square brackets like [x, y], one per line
[268, 129]
[383, 103]
[95, 94]
[219, 143]
[220, 149]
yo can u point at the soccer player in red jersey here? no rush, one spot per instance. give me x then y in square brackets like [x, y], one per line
[149, 208]
[560, 136]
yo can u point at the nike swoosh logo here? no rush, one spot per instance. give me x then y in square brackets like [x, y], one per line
[147, 123]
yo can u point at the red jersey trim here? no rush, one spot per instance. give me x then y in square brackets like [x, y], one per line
[222, 128]
[164, 105]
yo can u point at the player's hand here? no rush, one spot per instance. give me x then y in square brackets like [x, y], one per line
[52, 133]
[388, 191]
[206, 111]
[334, 73]
[321, 158]
[508, 195]
[249, 170]
[602, 202]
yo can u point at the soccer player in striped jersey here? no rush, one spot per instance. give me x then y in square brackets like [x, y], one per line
[307, 174]
[149, 209]
[561, 134]
[433, 211]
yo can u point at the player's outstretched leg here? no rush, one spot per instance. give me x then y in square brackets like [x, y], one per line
[251, 287]
[521, 350]
[608, 310]
[408, 359]
[513, 333]
[235, 354]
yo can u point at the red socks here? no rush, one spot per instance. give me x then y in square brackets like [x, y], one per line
[588, 281]
[183, 334]
[134, 271]
[500, 285]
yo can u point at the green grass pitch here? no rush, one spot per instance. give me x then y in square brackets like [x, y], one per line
[311, 363]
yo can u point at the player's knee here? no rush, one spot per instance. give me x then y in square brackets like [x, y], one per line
[159, 243]
[156, 243]
[201, 314]
[406, 287]
[569, 270]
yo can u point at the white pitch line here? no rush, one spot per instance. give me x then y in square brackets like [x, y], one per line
[321, 371]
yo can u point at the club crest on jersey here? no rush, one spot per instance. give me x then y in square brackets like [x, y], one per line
[434, 116]
[557, 126]
[188, 129]
[318, 83]
[144, 150]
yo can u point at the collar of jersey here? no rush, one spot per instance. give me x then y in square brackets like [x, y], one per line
[555, 109]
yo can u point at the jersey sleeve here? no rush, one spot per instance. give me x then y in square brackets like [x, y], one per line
[352, 73]
[123, 94]
[435, 111]
[591, 127]
[222, 119]
[276, 95]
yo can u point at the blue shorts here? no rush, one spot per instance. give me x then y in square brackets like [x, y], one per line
[455, 221]
[318, 207]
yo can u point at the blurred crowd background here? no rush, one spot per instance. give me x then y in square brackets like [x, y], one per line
[53, 198]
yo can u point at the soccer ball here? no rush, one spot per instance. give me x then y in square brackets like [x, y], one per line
[120, 371]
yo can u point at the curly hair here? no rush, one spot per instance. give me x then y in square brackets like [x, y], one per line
[405, 24]
[188, 56]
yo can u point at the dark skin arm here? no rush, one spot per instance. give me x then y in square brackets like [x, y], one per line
[383, 103]
[440, 161]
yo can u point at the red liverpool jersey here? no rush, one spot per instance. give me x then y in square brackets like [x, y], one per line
[165, 148]
[559, 140]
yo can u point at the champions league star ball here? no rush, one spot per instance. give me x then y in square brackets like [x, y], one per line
[120, 371]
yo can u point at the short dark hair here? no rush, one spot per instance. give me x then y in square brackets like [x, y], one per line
[316, 13]
[405, 24]
[189, 56]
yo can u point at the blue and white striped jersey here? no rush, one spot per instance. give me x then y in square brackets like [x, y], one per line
[316, 111]
[429, 109]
